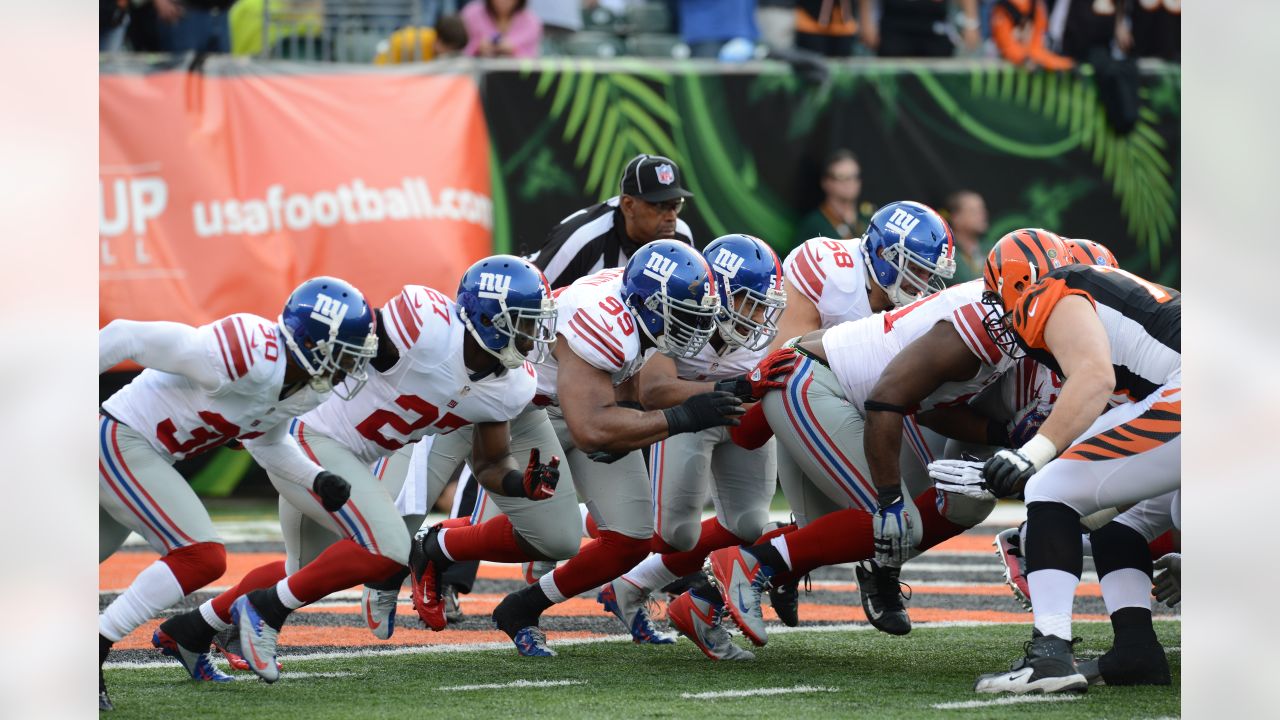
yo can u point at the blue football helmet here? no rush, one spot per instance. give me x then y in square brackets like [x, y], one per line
[672, 293]
[506, 303]
[749, 278]
[909, 249]
[330, 332]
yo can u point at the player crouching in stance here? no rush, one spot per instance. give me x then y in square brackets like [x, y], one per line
[669, 292]
[238, 378]
[685, 468]
[1106, 331]
[430, 376]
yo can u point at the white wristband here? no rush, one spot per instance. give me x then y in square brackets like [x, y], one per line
[1039, 450]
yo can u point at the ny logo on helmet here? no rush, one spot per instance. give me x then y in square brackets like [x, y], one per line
[328, 310]
[666, 174]
[494, 286]
[659, 268]
[902, 222]
[728, 262]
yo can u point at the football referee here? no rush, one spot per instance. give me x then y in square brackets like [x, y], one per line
[605, 235]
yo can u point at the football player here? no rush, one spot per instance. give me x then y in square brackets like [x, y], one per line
[665, 300]
[684, 468]
[433, 374]
[236, 379]
[1106, 331]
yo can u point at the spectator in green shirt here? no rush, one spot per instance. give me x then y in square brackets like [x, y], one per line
[840, 215]
[967, 214]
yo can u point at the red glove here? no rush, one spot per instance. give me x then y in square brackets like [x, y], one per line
[754, 430]
[537, 482]
[770, 374]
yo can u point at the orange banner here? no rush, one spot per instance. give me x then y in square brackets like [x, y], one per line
[221, 194]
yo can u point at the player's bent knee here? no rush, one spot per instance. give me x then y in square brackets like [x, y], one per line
[748, 526]
[967, 511]
[197, 565]
[682, 536]
[560, 545]
[395, 548]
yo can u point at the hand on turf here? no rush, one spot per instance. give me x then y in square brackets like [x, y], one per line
[332, 489]
[1168, 588]
[540, 479]
[961, 477]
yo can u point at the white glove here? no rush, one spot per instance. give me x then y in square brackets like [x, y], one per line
[1168, 588]
[961, 477]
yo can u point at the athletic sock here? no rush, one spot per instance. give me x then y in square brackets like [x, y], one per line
[712, 536]
[598, 562]
[391, 583]
[270, 608]
[260, 577]
[493, 540]
[155, 589]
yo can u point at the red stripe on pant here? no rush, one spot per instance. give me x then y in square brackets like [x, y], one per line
[598, 562]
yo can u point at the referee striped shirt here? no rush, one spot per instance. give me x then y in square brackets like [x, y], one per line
[588, 241]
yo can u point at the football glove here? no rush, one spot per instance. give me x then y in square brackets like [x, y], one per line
[960, 477]
[702, 411]
[1168, 586]
[769, 374]
[892, 528]
[1009, 470]
[540, 480]
[606, 457]
[332, 489]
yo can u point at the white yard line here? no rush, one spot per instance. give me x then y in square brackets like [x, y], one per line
[295, 675]
[515, 684]
[755, 692]
[1011, 700]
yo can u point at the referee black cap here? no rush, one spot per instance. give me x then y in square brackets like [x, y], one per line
[653, 178]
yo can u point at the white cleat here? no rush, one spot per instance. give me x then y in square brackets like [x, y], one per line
[378, 608]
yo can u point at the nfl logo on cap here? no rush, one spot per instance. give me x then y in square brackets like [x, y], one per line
[666, 174]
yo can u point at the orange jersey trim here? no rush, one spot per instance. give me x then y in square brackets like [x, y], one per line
[1033, 309]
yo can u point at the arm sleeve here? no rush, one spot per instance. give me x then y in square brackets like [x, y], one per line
[278, 453]
[167, 346]
[1002, 33]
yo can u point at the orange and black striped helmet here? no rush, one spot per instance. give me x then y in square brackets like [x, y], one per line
[1088, 252]
[1019, 260]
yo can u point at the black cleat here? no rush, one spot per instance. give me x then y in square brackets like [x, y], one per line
[785, 600]
[1047, 667]
[882, 598]
[1129, 664]
[104, 700]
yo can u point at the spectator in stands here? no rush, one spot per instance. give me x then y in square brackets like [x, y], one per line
[1018, 30]
[777, 22]
[839, 215]
[1157, 29]
[113, 17]
[967, 214]
[560, 19]
[170, 26]
[826, 27]
[917, 28]
[708, 25]
[502, 28]
[424, 44]
[1080, 28]
[647, 208]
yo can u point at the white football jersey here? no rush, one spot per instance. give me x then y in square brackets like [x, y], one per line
[832, 275]
[181, 419]
[429, 391]
[598, 328]
[859, 351]
[710, 365]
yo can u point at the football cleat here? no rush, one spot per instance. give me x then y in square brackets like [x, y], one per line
[452, 608]
[1009, 549]
[785, 600]
[378, 608]
[741, 579]
[227, 642]
[703, 623]
[533, 570]
[514, 618]
[424, 575]
[882, 598]
[1047, 667]
[104, 700]
[196, 663]
[1129, 664]
[627, 603]
[258, 638]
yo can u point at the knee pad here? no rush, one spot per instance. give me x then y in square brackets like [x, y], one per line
[963, 510]
[561, 544]
[681, 537]
[197, 565]
[749, 526]
[1117, 546]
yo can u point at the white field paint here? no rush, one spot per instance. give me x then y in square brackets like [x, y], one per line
[240, 677]
[754, 692]
[777, 629]
[1010, 700]
[514, 685]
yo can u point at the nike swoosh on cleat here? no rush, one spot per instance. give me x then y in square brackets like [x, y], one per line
[257, 661]
[368, 614]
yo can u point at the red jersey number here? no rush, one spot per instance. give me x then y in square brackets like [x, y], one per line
[427, 415]
[839, 254]
[217, 431]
